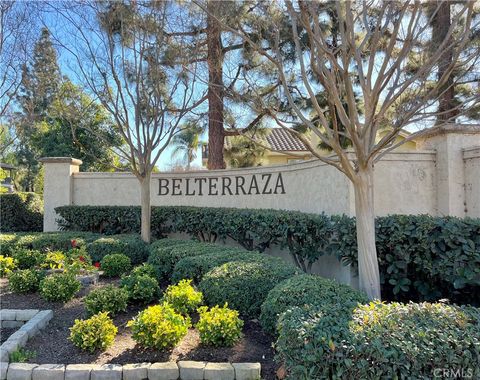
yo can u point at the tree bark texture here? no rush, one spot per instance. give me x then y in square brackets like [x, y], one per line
[215, 90]
[369, 276]
[146, 208]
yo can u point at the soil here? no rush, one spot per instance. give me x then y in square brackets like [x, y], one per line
[51, 345]
[5, 334]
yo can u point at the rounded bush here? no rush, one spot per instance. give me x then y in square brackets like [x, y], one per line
[25, 280]
[107, 299]
[115, 265]
[379, 340]
[129, 245]
[245, 285]
[195, 267]
[164, 259]
[141, 289]
[303, 290]
[183, 297]
[159, 327]
[95, 333]
[28, 259]
[59, 287]
[144, 269]
[7, 265]
[219, 326]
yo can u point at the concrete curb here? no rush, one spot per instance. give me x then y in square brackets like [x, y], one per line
[183, 370]
[29, 321]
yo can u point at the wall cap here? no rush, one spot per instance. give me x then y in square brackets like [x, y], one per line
[472, 152]
[450, 128]
[61, 160]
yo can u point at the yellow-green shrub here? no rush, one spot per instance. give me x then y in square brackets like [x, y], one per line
[159, 327]
[24, 280]
[219, 326]
[54, 260]
[7, 264]
[59, 287]
[97, 332]
[183, 297]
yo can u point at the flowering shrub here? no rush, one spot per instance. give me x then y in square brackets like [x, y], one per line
[59, 287]
[7, 264]
[107, 299]
[183, 297]
[159, 327]
[115, 265]
[24, 280]
[97, 332]
[219, 326]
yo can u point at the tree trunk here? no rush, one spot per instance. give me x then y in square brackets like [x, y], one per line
[369, 275]
[215, 90]
[146, 208]
[440, 26]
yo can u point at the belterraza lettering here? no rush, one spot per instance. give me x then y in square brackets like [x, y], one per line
[255, 184]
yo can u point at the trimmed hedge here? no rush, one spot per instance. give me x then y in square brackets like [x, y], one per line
[304, 290]
[21, 212]
[421, 257]
[131, 246]
[379, 341]
[195, 267]
[164, 259]
[244, 285]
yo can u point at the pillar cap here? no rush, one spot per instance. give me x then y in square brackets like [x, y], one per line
[60, 160]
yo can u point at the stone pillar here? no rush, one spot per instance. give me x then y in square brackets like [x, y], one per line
[471, 157]
[57, 187]
[450, 143]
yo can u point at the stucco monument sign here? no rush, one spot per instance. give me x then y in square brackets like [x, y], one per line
[264, 184]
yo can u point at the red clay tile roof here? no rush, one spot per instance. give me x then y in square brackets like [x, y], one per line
[278, 139]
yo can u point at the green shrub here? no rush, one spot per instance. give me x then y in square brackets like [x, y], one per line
[107, 299]
[159, 327]
[164, 259]
[27, 259]
[24, 280]
[115, 265]
[7, 243]
[183, 297]
[78, 258]
[244, 285]
[54, 260]
[195, 267]
[144, 270]
[421, 257]
[141, 289]
[7, 264]
[129, 245]
[95, 333]
[54, 241]
[59, 287]
[304, 290]
[219, 326]
[21, 212]
[379, 341]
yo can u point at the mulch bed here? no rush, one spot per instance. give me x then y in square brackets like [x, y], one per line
[52, 346]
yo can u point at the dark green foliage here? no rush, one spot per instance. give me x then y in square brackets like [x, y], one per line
[304, 290]
[141, 288]
[25, 281]
[21, 212]
[244, 285]
[421, 257]
[115, 265]
[27, 259]
[109, 298]
[164, 259]
[46, 241]
[195, 267]
[129, 245]
[379, 341]
[145, 269]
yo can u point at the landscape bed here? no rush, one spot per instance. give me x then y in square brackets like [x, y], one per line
[177, 300]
